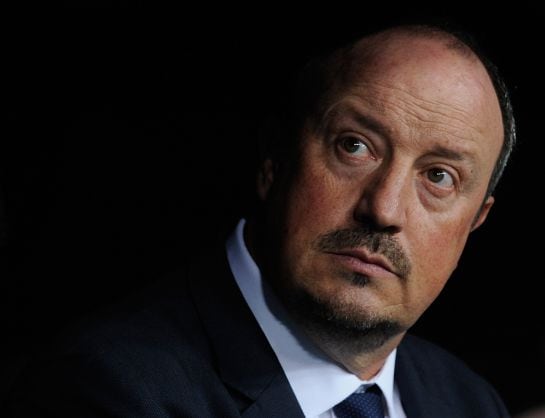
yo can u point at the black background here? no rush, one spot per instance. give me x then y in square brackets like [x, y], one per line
[130, 141]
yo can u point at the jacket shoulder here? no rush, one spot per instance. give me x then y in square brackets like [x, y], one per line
[430, 374]
[147, 356]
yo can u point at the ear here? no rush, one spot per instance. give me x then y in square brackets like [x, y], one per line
[265, 178]
[483, 213]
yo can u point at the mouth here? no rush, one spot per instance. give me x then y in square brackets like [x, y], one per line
[365, 263]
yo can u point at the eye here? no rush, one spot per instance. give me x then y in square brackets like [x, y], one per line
[440, 177]
[354, 146]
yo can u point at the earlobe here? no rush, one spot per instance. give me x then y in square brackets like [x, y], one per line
[483, 213]
[265, 178]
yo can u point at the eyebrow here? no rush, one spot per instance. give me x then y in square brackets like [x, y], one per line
[365, 121]
[438, 150]
[371, 123]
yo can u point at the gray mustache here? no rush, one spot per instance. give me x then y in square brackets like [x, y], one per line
[376, 242]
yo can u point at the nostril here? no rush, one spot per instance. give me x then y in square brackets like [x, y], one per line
[375, 225]
[392, 229]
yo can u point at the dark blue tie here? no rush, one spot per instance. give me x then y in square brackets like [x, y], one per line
[366, 404]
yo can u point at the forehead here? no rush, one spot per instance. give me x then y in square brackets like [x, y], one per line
[422, 84]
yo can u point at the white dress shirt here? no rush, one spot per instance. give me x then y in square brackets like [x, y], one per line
[317, 381]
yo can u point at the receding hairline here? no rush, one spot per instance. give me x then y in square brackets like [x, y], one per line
[449, 40]
[344, 60]
[340, 66]
[370, 43]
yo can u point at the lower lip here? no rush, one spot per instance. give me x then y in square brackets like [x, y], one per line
[361, 267]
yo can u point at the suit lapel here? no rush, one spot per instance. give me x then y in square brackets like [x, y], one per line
[244, 359]
[247, 365]
[418, 397]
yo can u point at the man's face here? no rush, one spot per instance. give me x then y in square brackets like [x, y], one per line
[371, 218]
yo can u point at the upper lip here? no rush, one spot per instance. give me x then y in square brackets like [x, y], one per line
[367, 257]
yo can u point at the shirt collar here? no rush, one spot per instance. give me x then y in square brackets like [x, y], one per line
[317, 381]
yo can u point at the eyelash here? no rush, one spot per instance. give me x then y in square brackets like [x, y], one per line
[441, 190]
[341, 141]
[441, 171]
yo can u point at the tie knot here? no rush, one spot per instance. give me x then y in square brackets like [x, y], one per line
[366, 404]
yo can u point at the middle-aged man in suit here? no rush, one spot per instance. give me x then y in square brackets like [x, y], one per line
[384, 162]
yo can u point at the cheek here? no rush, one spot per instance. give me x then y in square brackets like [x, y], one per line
[316, 201]
[439, 251]
[314, 204]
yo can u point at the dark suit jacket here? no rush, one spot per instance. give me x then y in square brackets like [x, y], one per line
[190, 347]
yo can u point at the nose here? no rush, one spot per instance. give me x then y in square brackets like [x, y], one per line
[385, 199]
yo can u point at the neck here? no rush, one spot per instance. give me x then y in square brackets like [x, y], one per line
[364, 364]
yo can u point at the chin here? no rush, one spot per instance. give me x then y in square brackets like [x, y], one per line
[340, 322]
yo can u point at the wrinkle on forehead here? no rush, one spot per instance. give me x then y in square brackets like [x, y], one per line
[392, 118]
[457, 120]
[443, 108]
[423, 81]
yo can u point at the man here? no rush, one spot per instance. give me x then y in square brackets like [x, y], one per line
[383, 166]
